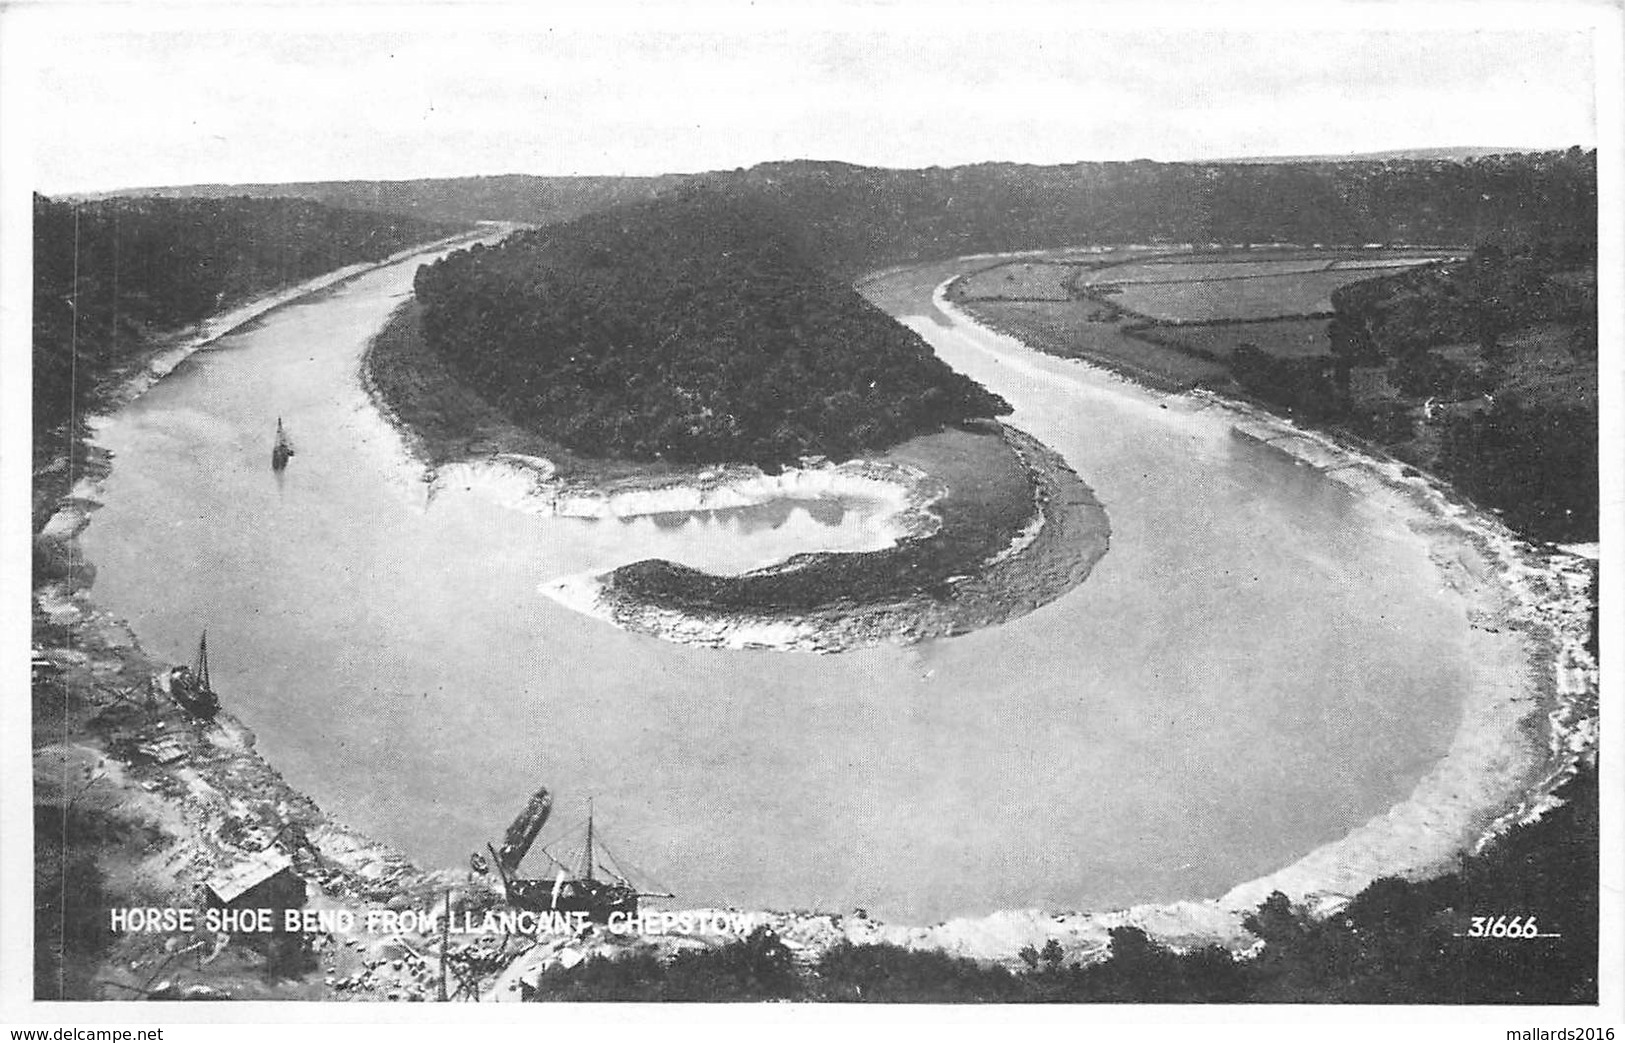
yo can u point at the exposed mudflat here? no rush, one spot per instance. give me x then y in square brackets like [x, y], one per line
[1068, 532]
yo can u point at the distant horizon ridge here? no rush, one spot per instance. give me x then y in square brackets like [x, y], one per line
[1442, 152]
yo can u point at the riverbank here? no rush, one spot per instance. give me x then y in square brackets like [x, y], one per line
[135, 802]
[1529, 715]
[54, 479]
[987, 523]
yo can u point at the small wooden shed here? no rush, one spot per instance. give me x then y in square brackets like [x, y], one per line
[262, 881]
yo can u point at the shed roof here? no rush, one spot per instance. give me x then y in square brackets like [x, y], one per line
[232, 882]
[165, 750]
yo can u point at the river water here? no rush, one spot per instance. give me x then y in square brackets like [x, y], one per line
[1258, 664]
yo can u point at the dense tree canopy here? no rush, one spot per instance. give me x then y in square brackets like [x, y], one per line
[109, 273]
[694, 328]
[1524, 315]
[861, 218]
[524, 198]
[1501, 288]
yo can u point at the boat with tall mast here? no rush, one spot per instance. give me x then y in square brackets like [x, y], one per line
[582, 884]
[189, 686]
[282, 451]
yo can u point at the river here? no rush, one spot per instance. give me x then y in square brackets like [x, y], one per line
[1259, 664]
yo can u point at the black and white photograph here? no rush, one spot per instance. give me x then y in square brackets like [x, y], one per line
[842, 517]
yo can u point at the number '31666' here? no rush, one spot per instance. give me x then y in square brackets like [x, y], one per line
[1502, 927]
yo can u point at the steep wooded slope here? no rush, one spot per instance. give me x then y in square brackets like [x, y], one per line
[694, 328]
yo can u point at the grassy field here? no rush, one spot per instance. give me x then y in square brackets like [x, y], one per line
[1197, 271]
[1064, 328]
[1376, 263]
[1285, 338]
[1264, 297]
[1201, 305]
[1356, 255]
[1242, 285]
[1023, 280]
[1241, 264]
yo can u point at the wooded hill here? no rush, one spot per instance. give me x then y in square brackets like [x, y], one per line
[109, 274]
[859, 217]
[845, 219]
[503, 197]
[1504, 349]
[695, 328]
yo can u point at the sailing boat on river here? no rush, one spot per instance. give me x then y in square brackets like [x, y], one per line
[583, 884]
[282, 451]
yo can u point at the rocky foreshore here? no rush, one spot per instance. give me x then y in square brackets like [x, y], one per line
[903, 495]
[118, 760]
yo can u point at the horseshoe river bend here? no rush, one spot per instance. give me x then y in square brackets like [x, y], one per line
[1274, 658]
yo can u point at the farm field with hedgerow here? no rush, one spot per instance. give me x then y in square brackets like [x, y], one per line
[1023, 281]
[1243, 264]
[1177, 317]
[1229, 298]
[1477, 365]
[1163, 270]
